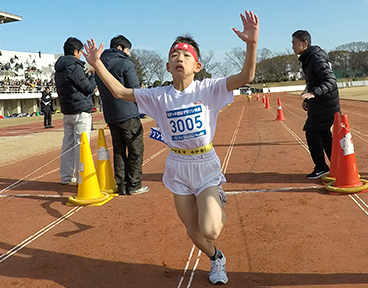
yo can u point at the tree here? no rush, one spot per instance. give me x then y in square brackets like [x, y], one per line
[151, 62]
[202, 75]
[359, 63]
[263, 54]
[139, 68]
[353, 47]
[207, 63]
[236, 58]
[340, 62]
[224, 70]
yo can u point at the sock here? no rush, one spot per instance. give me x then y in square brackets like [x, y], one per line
[217, 255]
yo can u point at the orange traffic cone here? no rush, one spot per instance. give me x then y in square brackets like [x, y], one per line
[335, 155]
[88, 189]
[347, 177]
[280, 114]
[267, 106]
[263, 99]
[105, 173]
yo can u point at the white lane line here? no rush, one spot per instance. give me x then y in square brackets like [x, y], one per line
[194, 269]
[32, 195]
[186, 267]
[305, 146]
[30, 239]
[38, 234]
[273, 190]
[231, 145]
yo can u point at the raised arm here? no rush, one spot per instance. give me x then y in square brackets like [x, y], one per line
[250, 36]
[92, 56]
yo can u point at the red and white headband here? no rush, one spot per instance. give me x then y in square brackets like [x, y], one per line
[184, 46]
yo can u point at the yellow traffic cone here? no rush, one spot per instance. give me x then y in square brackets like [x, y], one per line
[88, 189]
[105, 173]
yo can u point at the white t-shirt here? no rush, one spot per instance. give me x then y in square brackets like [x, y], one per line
[187, 118]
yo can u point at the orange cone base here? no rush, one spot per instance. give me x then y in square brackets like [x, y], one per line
[349, 190]
[99, 201]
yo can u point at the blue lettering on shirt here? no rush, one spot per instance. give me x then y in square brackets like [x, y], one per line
[184, 112]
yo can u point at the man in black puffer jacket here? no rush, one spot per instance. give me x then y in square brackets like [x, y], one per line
[123, 118]
[321, 100]
[73, 87]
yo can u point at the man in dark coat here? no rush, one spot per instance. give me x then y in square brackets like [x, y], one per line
[123, 118]
[321, 100]
[73, 87]
[46, 107]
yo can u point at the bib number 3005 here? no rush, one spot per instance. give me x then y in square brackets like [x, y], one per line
[187, 124]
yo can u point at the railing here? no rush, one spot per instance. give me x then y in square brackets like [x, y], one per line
[15, 89]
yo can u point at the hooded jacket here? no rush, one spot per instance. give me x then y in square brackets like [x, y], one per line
[321, 81]
[123, 69]
[73, 86]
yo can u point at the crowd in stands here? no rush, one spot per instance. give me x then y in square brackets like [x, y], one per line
[23, 77]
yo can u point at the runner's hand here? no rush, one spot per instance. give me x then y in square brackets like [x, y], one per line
[251, 28]
[92, 54]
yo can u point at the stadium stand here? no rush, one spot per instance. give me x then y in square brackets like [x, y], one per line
[23, 76]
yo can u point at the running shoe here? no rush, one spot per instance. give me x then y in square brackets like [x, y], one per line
[317, 174]
[217, 274]
[72, 181]
[141, 190]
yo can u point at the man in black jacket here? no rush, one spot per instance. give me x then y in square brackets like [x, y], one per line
[123, 118]
[73, 87]
[46, 107]
[321, 100]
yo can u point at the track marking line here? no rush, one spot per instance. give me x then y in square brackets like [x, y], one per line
[305, 146]
[282, 189]
[38, 234]
[18, 183]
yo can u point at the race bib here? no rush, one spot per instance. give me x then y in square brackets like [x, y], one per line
[187, 123]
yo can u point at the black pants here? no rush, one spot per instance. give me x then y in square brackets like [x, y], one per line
[47, 116]
[319, 143]
[127, 138]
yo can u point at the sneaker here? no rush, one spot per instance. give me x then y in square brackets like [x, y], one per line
[222, 195]
[72, 181]
[316, 175]
[217, 274]
[141, 190]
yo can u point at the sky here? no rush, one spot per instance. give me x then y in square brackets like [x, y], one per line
[154, 25]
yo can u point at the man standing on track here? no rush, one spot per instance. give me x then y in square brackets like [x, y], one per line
[321, 100]
[73, 87]
[123, 118]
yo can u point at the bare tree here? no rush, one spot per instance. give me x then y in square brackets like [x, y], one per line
[160, 69]
[151, 62]
[236, 58]
[207, 61]
[223, 70]
[353, 47]
[263, 54]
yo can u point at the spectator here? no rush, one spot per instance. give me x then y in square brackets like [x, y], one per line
[320, 99]
[73, 88]
[46, 107]
[122, 118]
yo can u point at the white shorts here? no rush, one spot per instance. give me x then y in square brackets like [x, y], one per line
[190, 175]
